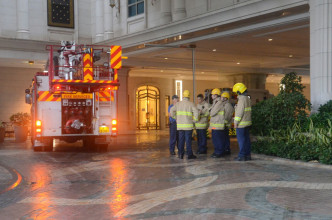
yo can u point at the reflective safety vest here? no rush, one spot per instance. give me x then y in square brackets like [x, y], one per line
[204, 115]
[185, 113]
[243, 112]
[229, 110]
[217, 113]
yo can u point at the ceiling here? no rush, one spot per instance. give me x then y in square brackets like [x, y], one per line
[216, 54]
[272, 50]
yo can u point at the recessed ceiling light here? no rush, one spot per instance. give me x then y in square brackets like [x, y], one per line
[238, 63]
[31, 62]
[203, 72]
[290, 56]
[166, 58]
[180, 37]
[214, 50]
[270, 39]
[161, 70]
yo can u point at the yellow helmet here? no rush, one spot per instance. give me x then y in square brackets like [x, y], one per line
[216, 91]
[239, 87]
[225, 94]
[186, 94]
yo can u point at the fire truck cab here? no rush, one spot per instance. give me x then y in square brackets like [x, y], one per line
[75, 98]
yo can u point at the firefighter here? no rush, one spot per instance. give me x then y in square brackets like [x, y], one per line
[173, 133]
[242, 122]
[202, 124]
[186, 114]
[228, 120]
[217, 124]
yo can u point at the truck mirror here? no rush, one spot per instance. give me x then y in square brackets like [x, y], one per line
[28, 98]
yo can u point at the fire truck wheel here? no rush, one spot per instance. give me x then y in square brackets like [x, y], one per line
[101, 147]
[37, 149]
[48, 148]
[89, 143]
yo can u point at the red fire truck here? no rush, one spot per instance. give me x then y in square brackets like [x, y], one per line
[75, 98]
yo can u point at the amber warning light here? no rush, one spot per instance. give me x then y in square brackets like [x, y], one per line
[114, 123]
[38, 127]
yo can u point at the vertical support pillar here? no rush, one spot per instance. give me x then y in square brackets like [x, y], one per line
[166, 14]
[320, 52]
[22, 7]
[108, 21]
[179, 10]
[99, 20]
[126, 108]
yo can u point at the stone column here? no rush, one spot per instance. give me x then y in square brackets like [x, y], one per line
[320, 52]
[22, 7]
[125, 118]
[99, 20]
[166, 14]
[108, 20]
[179, 7]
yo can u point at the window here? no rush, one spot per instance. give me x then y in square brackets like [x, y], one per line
[135, 7]
[60, 13]
[178, 88]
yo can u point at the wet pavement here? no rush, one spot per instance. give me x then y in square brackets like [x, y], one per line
[138, 179]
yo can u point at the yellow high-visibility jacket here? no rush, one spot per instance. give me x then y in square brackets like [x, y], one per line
[243, 112]
[229, 110]
[217, 111]
[204, 115]
[185, 113]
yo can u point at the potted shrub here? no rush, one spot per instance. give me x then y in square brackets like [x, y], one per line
[20, 121]
[2, 132]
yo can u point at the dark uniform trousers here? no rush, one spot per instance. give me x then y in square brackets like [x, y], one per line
[218, 139]
[185, 137]
[243, 139]
[201, 140]
[173, 137]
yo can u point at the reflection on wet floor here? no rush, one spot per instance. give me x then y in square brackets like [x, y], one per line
[119, 182]
[138, 179]
[42, 209]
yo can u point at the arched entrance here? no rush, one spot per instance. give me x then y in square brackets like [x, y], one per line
[147, 108]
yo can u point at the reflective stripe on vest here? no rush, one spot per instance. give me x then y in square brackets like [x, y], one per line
[217, 125]
[227, 123]
[221, 113]
[184, 125]
[245, 123]
[248, 109]
[237, 118]
[184, 113]
[198, 125]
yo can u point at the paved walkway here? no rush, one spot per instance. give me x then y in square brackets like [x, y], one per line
[138, 179]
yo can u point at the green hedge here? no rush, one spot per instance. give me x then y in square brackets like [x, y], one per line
[298, 143]
[288, 107]
[285, 130]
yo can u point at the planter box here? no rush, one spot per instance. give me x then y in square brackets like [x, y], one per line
[2, 134]
[21, 133]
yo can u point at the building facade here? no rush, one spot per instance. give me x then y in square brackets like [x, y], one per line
[172, 45]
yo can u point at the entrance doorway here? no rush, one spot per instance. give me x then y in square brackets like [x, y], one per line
[147, 108]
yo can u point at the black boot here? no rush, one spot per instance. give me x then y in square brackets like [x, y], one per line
[191, 157]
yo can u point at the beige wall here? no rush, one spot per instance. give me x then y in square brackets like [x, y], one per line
[13, 82]
[167, 88]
